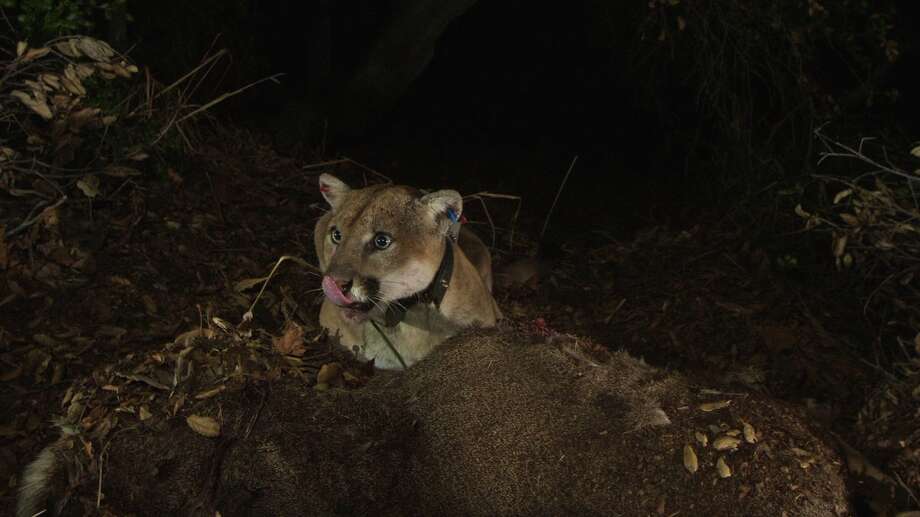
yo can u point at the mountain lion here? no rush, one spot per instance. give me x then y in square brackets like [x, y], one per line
[394, 264]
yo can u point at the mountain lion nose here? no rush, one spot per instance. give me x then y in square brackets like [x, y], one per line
[344, 284]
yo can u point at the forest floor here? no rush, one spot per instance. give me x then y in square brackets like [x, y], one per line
[163, 256]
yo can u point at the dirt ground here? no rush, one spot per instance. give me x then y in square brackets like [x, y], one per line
[163, 256]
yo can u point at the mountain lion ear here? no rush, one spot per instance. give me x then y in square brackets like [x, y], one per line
[446, 207]
[333, 189]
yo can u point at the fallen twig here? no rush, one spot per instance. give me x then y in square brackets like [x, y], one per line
[247, 316]
[346, 160]
[556, 199]
[29, 222]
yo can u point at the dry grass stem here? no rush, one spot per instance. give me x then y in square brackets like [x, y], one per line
[556, 199]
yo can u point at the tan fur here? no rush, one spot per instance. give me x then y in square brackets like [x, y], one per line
[418, 225]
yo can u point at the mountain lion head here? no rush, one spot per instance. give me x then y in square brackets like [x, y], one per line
[380, 244]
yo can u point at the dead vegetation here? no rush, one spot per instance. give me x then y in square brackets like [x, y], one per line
[766, 75]
[103, 176]
[871, 219]
[758, 71]
[56, 142]
[80, 126]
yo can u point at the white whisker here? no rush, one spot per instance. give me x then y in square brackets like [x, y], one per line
[376, 304]
[393, 282]
[401, 306]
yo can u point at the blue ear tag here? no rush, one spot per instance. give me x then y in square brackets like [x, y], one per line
[453, 232]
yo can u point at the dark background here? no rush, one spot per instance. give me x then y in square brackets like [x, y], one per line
[514, 91]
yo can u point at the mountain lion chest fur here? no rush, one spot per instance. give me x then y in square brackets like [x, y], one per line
[392, 267]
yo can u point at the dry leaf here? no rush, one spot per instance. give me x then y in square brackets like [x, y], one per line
[840, 245]
[84, 71]
[850, 219]
[20, 48]
[223, 324]
[50, 217]
[73, 87]
[62, 101]
[691, 463]
[37, 105]
[95, 49]
[120, 71]
[38, 88]
[35, 53]
[328, 373]
[206, 394]
[722, 468]
[174, 176]
[81, 118]
[72, 81]
[713, 406]
[51, 80]
[915, 151]
[203, 425]
[724, 443]
[89, 185]
[144, 413]
[750, 436]
[843, 194]
[702, 438]
[291, 342]
[68, 47]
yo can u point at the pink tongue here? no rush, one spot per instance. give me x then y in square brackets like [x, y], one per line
[334, 293]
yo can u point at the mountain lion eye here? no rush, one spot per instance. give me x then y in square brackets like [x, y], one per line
[335, 235]
[382, 241]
